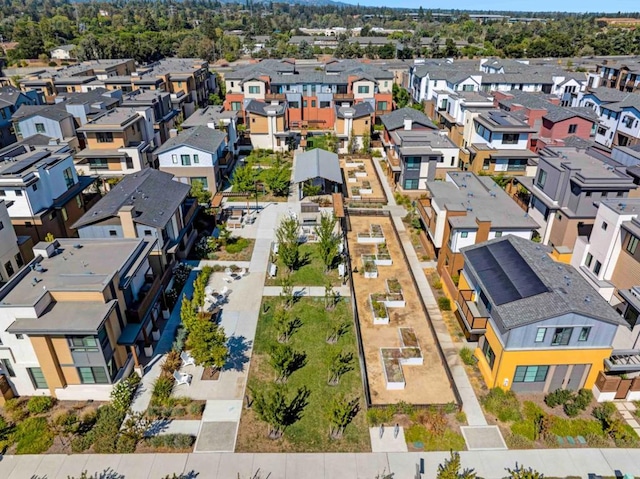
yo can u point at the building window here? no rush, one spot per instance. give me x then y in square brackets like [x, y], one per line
[3, 193]
[93, 376]
[363, 89]
[68, 177]
[411, 184]
[174, 159]
[530, 374]
[604, 226]
[412, 162]
[37, 378]
[202, 180]
[147, 232]
[40, 128]
[588, 194]
[304, 103]
[79, 201]
[84, 344]
[185, 160]
[296, 104]
[236, 106]
[561, 336]
[8, 367]
[498, 234]
[8, 267]
[632, 245]
[325, 104]
[98, 164]
[18, 192]
[196, 159]
[464, 234]
[113, 233]
[128, 162]
[540, 334]
[510, 138]
[542, 178]
[19, 260]
[382, 105]
[35, 187]
[313, 103]
[65, 216]
[596, 268]
[19, 336]
[573, 128]
[104, 137]
[584, 334]
[489, 355]
[588, 260]
[254, 90]
[486, 164]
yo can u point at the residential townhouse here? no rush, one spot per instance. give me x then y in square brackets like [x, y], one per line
[63, 52]
[42, 190]
[164, 115]
[14, 250]
[198, 154]
[267, 125]
[310, 93]
[78, 317]
[618, 113]
[463, 210]
[565, 189]
[436, 75]
[496, 142]
[11, 99]
[117, 142]
[553, 123]
[544, 328]
[421, 156]
[148, 204]
[353, 122]
[217, 118]
[621, 75]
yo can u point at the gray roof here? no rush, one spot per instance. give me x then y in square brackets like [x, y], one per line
[154, 195]
[317, 163]
[356, 111]
[395, 119]
[210, 114]
[565, 291]
[52, 112]
[481, 199]
[67, 48]
[11, 95]
[262, 108]
[201, 138]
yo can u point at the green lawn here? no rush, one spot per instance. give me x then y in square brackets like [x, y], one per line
[310, 274]
[311, 432]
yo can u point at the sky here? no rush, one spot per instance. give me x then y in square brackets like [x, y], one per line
[612, 6]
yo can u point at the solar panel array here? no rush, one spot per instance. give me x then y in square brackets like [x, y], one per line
[26, 163]
[505, 274]
[501, 119]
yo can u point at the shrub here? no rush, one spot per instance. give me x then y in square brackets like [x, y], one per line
[575, 427]
[446, 441]
[525, 429]
[122, 393]
[583, 398]
[596, 440]
[558, 397]
[444, 303]
[162, 389]
[603, 412]
[237, 245]
[623, 434]
[106, 429]
[40, 404]
[571, 408]
[173, 441]
[195, 409]
[467, 356]
[437, 284]
[179, 412]
[33, 436]
[461, 417]
[378, 416]
[88, 418]
[504, 404]
[172, 362]
[16, 409]
[532, 411]
[181, 338]
[81, 443]
[516, 441]
[125, 444]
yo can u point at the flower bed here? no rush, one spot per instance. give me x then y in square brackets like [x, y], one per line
[394, 286]
[354, 164]
[351, 176]
[380, 312]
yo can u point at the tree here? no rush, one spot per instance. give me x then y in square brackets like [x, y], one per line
[309, 189]
[277, 179]
[285, 325]
[352, 145]
[288, 247]
[65, 424]
[208, 344]
[451, 469]
[328, 241]
[337, 329]
[400, 96]
[418, 106]
[188, 314]
[340, 413]
[287, 296]
[340, 365]
[285, 361]
[331, 142]
[244, 179]
[273, 407]
[202, 196]
[519, 472]
[366, 142]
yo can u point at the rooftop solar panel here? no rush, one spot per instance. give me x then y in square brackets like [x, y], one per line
[505, 274]
[21, 165]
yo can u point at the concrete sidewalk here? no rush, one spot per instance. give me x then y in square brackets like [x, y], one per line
[487, 464]
[314, 291]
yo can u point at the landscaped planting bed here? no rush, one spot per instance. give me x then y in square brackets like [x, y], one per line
[311, 432]
[311, 271]
[393, 374]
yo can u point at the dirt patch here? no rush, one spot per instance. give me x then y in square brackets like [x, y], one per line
[209, 375]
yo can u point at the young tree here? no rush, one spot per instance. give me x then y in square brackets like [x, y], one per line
[340, 413]
[351, 144]
[287, 292]
[285, 361]
[331, 142]
[328, 241]
[340, 365]
[451, 469]
[202, 196]
[65, 424]
[309, 189]
[366, 142]
[329, 296]
[277, 178]
[285, 324]
[519, 472]
[188, 313]
[289, 249]
[337, 329]
[273, 407]
[208, 344]
[244, 179]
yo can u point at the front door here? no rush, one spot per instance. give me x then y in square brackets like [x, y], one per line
[575, 378]
[557, 381]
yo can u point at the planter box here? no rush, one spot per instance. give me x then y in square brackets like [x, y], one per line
[148, 351]
[411, 357]
[379, 319]
[352, 180]
[366, 238]
[408, 338]
[395, 301]
[366, 191]
[353, 164]
[371, 274]
[155, 335]
[361, 174]
[393, 375]
[356, 197]
[384, 261]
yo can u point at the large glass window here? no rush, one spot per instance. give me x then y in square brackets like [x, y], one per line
[363, 89]
[40, 128]
[542, 178]
[98, 164]
[84, 343]
[382, 105]
[411, 184]
[510, 139]
[236, 105]
[93, 375]
[106, 137]
[185, 160]
[540, 334]
[254, 90]
[37, 378]
[68, 177]
[8, 367]
[561, 336]
[489, 355]
[412, 162]
[632, 245]
[530, 374]
[584, 333]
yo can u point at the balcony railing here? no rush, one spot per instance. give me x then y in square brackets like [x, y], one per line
[138, 310]
[343, 96]
[275, 97]
[469, 312]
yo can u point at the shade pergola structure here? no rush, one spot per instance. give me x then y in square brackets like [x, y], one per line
[317, 167]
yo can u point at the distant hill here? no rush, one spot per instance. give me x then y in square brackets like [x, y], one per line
[313, 3]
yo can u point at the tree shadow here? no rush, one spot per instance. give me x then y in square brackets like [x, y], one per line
[238, 355]
[303, 260]
[157, 426]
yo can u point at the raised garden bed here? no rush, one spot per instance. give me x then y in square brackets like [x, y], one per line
[370, 269]
[351, 176]
[379, 310]
[355, 192]
[411, 357]
[353, 163]
[394, 286]
[383, 258]
[393, 375]
[373, 236]
[408, 338]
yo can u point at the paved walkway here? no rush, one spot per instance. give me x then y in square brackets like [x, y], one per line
[391, 201]
[488, 464]
[316, 291]
[627, 411]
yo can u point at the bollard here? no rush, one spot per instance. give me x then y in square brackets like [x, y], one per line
[396, 431]
[381, 431]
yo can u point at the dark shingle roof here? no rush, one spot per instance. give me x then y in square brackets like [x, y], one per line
[358, 110]
[395, 119]
[261, 108]
[201, 138]
[154, 195]
[564, 290]
[53, 112]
